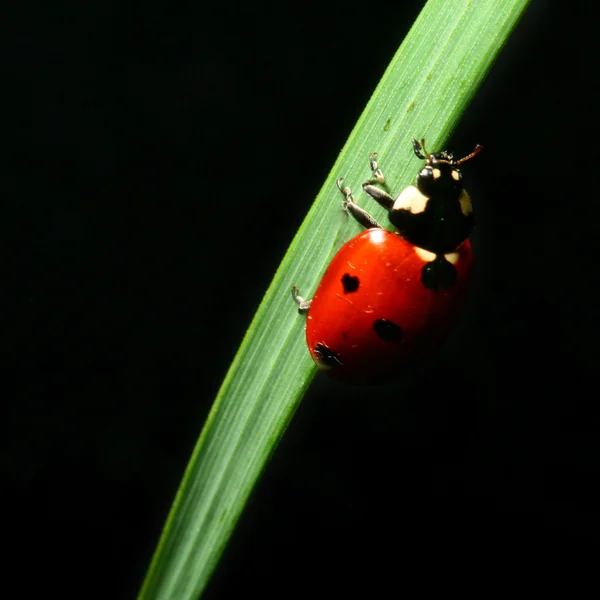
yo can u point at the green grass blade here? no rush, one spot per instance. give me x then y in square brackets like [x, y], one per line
[424, 91]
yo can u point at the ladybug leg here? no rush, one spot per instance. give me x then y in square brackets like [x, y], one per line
[360, 214]
[380, 196]
[303, 305]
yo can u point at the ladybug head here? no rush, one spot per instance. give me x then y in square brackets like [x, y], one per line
[436, 214]
[441, 173]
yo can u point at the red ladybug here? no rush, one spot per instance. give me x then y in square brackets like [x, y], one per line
[387, 299]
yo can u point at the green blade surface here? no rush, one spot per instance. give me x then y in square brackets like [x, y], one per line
[423, 93]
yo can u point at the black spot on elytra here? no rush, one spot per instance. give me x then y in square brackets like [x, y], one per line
[438, 273]
[328, 357]
[388, 331]
[350, 283]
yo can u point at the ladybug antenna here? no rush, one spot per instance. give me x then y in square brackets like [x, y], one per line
[477, 150]
[417, 147]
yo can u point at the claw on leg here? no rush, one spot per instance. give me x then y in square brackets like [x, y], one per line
[303, 305]
[345, 190]
[377, 174]
[379, 195]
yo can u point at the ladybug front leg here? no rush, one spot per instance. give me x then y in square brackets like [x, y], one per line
[360, 214]
[381, 197]
[303, 305]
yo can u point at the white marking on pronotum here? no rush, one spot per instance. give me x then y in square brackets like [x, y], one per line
[452, 257]
[465, 203]
[411, 199]
[425, 255]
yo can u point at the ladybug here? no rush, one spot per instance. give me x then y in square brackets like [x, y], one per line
[388, 298]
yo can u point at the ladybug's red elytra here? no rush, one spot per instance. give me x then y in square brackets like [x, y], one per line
[388, 298]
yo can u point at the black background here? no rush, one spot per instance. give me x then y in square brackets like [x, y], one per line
[123, 300]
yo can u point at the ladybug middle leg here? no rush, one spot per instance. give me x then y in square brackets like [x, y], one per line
[360, 214]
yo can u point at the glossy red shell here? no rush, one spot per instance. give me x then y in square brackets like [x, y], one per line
[371, 315]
